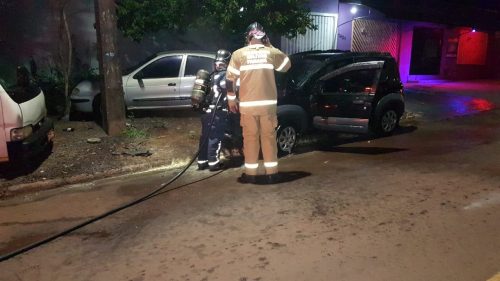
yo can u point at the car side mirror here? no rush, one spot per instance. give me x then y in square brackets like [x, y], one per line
[139, 75]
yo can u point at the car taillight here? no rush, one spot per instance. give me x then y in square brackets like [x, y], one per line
[330, 106]
[19, 134]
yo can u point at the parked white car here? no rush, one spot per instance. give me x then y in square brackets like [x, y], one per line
[25, 130]
[162, 81]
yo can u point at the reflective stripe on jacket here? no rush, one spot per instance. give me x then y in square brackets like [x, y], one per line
[255, 66]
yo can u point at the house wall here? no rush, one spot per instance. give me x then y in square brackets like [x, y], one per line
[345, 22]
[496, 52]
[376, 36]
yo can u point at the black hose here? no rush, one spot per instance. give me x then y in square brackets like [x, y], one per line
[108, 213]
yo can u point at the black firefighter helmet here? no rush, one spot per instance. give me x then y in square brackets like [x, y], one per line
[222, 59]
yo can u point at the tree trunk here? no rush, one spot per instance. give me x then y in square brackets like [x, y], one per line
[69, 62]
[112, 101]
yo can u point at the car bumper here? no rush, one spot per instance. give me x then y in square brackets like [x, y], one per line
[38, 142]
[81, 105]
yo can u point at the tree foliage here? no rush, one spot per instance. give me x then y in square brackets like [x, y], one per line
[279, 17]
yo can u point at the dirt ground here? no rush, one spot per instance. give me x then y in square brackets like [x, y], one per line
[155, 140]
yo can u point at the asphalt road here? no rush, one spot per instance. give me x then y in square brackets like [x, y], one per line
[423, 204]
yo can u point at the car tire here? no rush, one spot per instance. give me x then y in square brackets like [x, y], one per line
[96, 108]
[286, 138]
[387, 122]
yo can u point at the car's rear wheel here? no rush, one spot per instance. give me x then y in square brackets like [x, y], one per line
[286, 138]
[387, 122]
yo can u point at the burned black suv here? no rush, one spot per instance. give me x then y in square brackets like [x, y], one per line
[338, 91]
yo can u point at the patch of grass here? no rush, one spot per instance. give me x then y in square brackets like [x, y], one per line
[135, 133]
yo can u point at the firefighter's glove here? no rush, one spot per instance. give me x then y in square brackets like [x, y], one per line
[233, 106]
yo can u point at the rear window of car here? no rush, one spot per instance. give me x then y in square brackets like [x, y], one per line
[195, 63]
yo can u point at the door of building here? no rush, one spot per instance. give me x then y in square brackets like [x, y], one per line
[426, 51]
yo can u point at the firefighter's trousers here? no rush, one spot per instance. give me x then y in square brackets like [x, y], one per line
[260, 131]
[209, 151]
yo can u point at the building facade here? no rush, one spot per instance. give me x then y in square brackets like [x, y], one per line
[423, 49]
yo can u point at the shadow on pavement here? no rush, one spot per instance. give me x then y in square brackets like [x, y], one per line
[331, 141]
[284, 177]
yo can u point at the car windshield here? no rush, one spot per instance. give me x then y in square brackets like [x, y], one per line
[6, 83]
[22, 93]
[129, 69]
[303, 68]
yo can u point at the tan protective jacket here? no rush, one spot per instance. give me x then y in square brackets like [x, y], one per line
[255, 65]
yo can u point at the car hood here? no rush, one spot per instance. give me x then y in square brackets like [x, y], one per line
[33, 110]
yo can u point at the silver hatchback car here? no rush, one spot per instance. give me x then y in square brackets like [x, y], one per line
[164, 80]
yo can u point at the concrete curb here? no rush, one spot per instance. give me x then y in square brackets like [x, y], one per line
[18, 189]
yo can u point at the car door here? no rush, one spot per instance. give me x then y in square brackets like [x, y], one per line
[155, 85]
[348, 92]
[192, 65]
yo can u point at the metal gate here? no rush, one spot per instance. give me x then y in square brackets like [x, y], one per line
[376, 36]
[320, 39]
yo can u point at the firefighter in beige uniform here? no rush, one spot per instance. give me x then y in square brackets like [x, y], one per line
[254, 65]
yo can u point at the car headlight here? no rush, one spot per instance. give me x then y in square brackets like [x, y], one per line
[19, 134]
[75, 92]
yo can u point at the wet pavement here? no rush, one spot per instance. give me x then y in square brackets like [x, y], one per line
[447, 99]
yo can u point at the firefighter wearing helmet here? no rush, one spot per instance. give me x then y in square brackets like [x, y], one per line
[214, 104]
[255, 65]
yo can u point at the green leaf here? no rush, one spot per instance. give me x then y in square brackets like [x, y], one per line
[138, 18]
